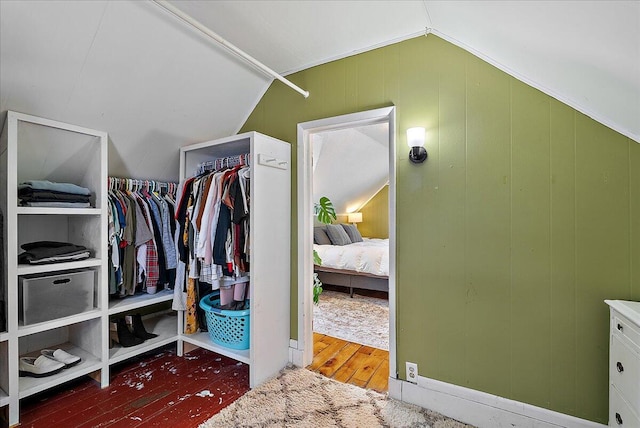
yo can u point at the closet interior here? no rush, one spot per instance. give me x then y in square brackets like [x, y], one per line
[265, 161]
[141, 267]
[126, 263]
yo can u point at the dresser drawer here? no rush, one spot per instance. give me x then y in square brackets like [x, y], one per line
[620, 414]
[624, 372]
[628, 332]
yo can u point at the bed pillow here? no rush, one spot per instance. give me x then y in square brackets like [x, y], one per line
[320, 236]
[352, 232]
[337, 235]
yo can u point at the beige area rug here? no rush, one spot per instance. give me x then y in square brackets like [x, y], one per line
[301, 398]
[360, 319]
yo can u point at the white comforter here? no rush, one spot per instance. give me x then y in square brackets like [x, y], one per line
[370, 256]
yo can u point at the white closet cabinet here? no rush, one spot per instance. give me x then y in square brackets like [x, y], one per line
[33, 148]
[270, 214]
[624, 364]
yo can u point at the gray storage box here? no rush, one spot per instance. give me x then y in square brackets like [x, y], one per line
[46, 298]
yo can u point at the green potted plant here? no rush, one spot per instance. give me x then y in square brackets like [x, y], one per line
[325, 213]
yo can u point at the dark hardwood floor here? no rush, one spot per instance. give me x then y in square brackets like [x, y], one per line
[160, 389]
[157, 389]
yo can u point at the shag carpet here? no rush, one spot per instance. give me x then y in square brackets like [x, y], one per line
[300, 398]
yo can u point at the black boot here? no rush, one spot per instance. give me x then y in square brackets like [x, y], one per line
[138, 328]
[123, 336]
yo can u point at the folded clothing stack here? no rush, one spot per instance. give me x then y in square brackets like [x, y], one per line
[43, 193]
[42, 252]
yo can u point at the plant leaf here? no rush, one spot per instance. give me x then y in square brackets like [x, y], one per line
[317, 288]
[316, 258]
[324, 210]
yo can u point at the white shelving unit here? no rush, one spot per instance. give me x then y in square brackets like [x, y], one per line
[34, 148]
[162, 324]
[4, 370]
[132, 303]
[270, 250]
[81, 264]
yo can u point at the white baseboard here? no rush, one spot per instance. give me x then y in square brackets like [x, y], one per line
[395, 388]
[295, 355]
[480, 408]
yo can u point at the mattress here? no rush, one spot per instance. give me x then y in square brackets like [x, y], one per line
[370, 256]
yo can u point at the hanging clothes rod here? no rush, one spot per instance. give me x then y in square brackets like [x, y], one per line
[226, 162]
[234, 49]
[134, 185]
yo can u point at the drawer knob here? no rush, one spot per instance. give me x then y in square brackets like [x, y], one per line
[618, 419]
[620, 367]
[619, 326]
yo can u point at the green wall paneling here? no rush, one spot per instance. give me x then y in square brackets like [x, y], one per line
[602, 253]
[488, 228]
[451, 255]
[523, 219]
[563, 258]
[634, 216]
[530, 245]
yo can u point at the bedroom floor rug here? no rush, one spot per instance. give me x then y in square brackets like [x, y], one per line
[300, 398]
[360, 319]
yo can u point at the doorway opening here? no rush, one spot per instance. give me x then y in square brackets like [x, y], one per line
[314, 137]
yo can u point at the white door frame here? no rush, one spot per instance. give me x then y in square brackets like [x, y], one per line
[304, 345]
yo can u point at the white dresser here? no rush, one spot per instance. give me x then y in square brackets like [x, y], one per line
[624, 364]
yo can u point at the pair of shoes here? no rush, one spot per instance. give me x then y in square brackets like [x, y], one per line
[61, 356]
[39, 366]
[138, 328]
[48, 363]
[127, 338]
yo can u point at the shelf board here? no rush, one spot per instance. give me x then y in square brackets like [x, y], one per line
[4, 336]
[60, 322]
[55, 267]
[89, 364]
[4, 398]
[204, 341]
[165, 326]
[139, 300]
[58, 211]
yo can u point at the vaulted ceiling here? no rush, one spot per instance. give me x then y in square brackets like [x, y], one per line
[350, 165]
[155, 84]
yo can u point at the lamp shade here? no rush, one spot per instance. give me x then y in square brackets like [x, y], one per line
[354, 218]
[415, 137]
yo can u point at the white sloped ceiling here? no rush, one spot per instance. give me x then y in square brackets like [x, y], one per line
[129, 68]
[125, 68]
[585, 53]
[350, 165]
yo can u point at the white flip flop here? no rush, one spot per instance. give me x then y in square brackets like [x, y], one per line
[39, 367]
[61, 356]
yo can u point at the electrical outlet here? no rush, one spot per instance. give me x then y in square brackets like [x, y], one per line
[412, 372]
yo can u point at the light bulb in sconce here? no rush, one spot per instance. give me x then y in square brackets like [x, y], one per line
[415, 141]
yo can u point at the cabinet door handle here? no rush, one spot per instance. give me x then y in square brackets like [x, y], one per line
[620, 367]
[618, 419]
[619, 326]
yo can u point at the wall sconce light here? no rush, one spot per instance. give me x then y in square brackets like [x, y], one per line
[354, 218]
[415, 140]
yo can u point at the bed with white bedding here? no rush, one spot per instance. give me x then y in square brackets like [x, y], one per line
[358, 265]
